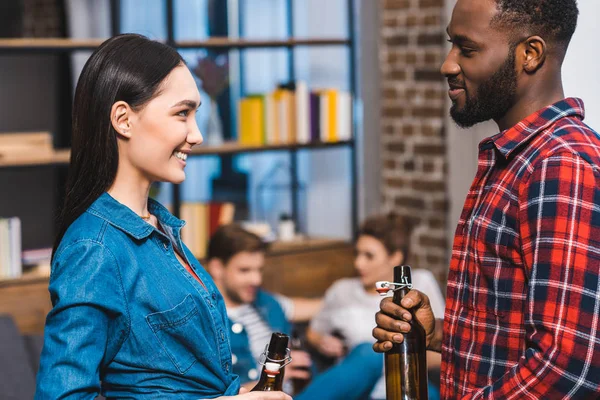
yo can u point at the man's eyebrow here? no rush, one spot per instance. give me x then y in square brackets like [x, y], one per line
[460, 39]
[190, 103]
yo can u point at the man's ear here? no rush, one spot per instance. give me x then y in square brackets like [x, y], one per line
[216, 269]
[120, 118]
[533, 52]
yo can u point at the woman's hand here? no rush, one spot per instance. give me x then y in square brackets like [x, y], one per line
[246, 395]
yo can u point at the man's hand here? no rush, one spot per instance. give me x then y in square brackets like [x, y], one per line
[391, 322]
[299, 368]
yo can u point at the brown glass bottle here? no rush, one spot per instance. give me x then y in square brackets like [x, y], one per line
[271, 377]
[406, 363]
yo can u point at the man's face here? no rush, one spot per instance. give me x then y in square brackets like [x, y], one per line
[242, 277]
[480, 67]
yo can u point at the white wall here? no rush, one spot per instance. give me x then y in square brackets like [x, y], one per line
[580, 70]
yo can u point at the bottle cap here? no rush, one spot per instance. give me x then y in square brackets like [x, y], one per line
[272, 368]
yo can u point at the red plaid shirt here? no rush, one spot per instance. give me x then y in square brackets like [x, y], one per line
[523, 300]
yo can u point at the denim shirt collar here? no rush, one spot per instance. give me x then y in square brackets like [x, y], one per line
[123, 218]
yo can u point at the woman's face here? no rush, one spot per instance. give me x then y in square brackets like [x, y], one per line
[163, 132]
[373, 262]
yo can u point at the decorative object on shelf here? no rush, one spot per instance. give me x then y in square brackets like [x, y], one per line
[213, 72]
[286, 229]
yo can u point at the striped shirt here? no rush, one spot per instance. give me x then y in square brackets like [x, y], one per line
[259, 333]
[523, 299]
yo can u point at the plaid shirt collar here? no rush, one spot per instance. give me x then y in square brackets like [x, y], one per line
[513, 138]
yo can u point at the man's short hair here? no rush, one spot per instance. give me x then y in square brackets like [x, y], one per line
[230, 240]
[392, 230]
[553, 20]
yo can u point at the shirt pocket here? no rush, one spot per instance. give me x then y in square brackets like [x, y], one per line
[179, 331]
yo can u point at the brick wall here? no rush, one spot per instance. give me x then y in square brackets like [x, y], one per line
[413, 148]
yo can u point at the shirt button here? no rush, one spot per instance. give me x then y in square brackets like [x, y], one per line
[237, 328]
[234, 359]
[214, 296]
[222, 336]
[253, 374]
[166, 246]
[227, 367]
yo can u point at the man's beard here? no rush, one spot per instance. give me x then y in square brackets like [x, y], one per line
[493, 99]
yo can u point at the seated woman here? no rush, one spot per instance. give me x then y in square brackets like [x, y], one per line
[346, 320]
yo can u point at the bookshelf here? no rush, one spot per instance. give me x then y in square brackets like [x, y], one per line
[58, 159]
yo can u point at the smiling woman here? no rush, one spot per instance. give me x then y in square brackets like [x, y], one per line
[134, 313]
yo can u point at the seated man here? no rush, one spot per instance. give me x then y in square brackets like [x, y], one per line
[235, 260]
[346, 320]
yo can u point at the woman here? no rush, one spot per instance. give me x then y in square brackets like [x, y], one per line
[346, 320]
[135, 315]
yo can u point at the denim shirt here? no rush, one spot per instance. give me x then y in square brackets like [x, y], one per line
[128, 320]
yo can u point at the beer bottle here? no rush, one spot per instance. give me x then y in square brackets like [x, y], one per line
[276, 357]
[406, 362]
[297, 343]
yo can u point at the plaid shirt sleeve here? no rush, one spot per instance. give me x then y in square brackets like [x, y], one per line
[560, 230]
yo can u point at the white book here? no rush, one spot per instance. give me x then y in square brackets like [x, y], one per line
[4, 249]
[302, 113]
[270, 119]
[344, 116]
[16, 266]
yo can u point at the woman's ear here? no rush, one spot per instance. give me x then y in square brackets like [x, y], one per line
[120, 118]
[397, 258]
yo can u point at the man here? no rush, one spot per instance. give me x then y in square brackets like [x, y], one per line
[236, 259]
[523, 296]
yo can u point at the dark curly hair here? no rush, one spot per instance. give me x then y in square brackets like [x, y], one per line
[553, 20]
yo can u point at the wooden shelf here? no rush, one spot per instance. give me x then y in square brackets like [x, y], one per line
[62, 157]
[54, 158]
[303, 245]
[236, 148]
[64, 44]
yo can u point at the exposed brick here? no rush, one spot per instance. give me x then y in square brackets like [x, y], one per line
[412, 21]
[440, 205]
[396, 182]
[396, 40]
[432, 241]
[432, 20]
[433, 58]
[428, 167]
[428, 112]
[429, 187]
[397, 75]
[396, 4]
[411, 58]
[431, 130]
[431, 3]
[389, 164]
[396, 147]
[410, 202]
[430, 150]
[431, 75]
[408, 130]
[430, 39]
[409, 165]
[394, 111]
[436, 223]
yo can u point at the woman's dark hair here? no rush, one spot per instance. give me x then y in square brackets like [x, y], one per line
[127, 68]
[391, 230]
[230, 240]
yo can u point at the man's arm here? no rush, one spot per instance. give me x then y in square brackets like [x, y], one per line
[560, 231]
[305, 308]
